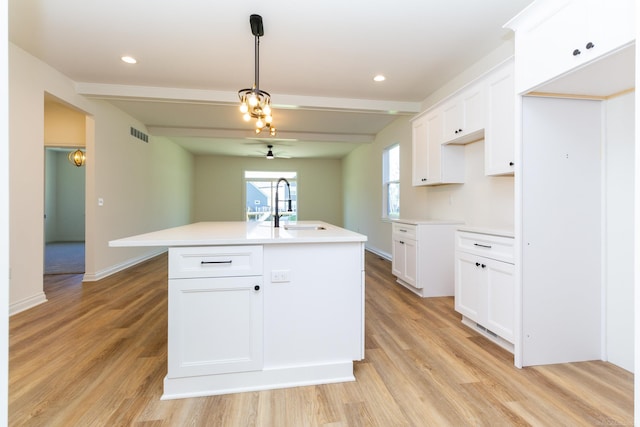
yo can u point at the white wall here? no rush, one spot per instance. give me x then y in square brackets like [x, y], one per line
[4, 215]
[619, 226]
[219, 191]
[362, 171]
[145, 186]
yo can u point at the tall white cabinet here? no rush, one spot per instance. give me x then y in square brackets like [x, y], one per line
[572, 58]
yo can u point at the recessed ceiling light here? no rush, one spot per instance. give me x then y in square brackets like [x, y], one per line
[129, 59]
[379, 78]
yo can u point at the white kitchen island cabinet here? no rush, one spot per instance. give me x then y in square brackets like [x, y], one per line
[254, 308]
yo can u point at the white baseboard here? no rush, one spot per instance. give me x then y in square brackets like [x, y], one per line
[27, 303]
[93, 277]
[378, 252]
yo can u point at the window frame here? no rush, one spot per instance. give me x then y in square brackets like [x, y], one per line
[272, 178]
[387, 182]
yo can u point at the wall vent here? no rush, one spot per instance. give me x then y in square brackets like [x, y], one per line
[139, 134]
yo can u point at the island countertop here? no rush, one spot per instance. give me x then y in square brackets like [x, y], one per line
[241, 233]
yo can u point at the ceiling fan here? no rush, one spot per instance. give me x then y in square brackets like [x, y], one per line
[271, 155]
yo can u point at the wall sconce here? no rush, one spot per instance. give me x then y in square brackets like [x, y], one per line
[77, 158]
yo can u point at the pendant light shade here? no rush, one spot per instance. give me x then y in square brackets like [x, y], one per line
[77, 158]
[256, 103]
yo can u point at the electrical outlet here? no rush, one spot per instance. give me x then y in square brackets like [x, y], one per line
[280, 276]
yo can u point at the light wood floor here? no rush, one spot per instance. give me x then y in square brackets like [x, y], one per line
[95, 355]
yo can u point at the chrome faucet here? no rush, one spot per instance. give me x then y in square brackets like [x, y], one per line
[276, 219]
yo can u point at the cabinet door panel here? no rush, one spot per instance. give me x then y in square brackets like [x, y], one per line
[420, 153]
[500, 123]
[434, 139]
[398, 258]
[473, 108]
[215, 326]
[501, 298]
[470, 289]
[411, 265]
[546, 50]
[452, 120]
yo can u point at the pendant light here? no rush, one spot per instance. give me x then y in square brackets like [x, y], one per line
[256, 103]
[77, 158]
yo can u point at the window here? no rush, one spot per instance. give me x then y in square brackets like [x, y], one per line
[260, 195]
[391, 181]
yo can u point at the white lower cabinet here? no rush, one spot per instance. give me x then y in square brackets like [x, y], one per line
[198, 310]
[422, 256]
[405, 257]
[485, 285]
[215, 322]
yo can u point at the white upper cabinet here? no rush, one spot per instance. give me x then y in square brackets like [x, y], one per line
[434, 163]
[554, 37]
[500, 121]
[483, 109]
[463, 116]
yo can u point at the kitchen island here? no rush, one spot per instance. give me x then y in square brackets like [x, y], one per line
[253, 307]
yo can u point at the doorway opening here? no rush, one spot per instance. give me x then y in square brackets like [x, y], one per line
[64, 217]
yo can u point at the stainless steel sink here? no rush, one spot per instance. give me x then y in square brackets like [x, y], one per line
[303, 227]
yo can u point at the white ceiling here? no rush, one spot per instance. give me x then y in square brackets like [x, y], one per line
[317, 59]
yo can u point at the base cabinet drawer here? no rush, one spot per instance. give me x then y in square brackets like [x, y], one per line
[215, 261]
[215, 326]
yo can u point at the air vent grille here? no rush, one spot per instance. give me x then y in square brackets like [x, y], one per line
[139, 134]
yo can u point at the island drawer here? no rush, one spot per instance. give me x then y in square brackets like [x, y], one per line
[215, 261]
[492, 246]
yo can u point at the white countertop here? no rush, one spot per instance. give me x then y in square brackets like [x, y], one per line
[481, 230]
[239, 233]
[426, 221]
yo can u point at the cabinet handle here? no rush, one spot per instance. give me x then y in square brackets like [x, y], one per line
[216, 262]
[590, 45]
[423, 179]
[256, 288]
[401, 242]
[511, 163]
[576, 52]
[403, 230]
[482, 246]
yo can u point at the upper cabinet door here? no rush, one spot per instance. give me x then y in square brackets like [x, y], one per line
[499, 142]
[554, 37]
[463, 116]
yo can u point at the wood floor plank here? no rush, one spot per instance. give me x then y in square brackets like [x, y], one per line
[95, 355]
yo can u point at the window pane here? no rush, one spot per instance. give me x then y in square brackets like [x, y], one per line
[260, 188]
[393, 197]
[394, 163]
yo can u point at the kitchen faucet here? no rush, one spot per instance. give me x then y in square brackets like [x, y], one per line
[276, 219]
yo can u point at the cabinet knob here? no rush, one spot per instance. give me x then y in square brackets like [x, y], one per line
[256, 287]
[401, 242]
[576, 52]
[511, 163]
[423, 179]
[483, 265]
[477, 264]
[590, 45]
